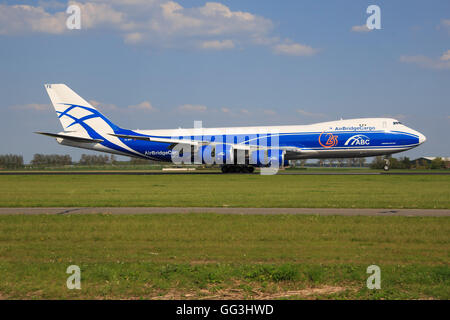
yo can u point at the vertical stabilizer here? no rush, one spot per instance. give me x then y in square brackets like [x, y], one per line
[75, 113]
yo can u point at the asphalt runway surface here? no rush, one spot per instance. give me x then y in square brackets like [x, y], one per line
[227, 210]
[139, 173]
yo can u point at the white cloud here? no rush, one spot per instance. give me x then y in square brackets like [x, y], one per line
[19, 19]
[134, 37]
[52, 4]
[217, 44]
[158, 23]
[145, 105]
[445, 56]
[425, 62]
[98, 15]
[192, 108]
[294, 49]
[361, 28]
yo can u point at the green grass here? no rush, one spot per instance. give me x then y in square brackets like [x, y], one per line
[418, 191]
[209, 255]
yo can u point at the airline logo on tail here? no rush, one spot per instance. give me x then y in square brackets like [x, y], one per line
[357, 140]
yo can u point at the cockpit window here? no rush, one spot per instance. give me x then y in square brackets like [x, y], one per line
[397, 122]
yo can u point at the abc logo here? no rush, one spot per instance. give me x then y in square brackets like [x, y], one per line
[358, 140]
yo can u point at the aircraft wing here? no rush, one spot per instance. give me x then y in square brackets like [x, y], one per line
[163, 140]
[293, 150]
[195, 143]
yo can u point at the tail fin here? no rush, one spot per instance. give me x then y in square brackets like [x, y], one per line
[75, 113]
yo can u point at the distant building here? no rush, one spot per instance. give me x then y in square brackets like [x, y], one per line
[428, 160]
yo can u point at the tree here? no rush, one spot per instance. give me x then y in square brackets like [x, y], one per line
[89, 160]
[51, 160]
[437, 163]
[137, 161]
[361, 161]
[377, 163]
[11, 161]
[406, 163]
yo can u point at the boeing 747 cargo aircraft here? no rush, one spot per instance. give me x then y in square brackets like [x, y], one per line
[235, 149]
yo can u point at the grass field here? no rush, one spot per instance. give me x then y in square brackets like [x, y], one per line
[215, 256]
[223, 256]
[417, 191]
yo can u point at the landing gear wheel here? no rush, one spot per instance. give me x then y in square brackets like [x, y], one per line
[237, 169]
[245, 169]
[387, 165]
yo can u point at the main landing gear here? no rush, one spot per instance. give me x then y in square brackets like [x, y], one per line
[387, 164]
[237, 169]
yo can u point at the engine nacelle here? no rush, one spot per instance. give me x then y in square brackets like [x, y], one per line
[216, 154]
[266, 158]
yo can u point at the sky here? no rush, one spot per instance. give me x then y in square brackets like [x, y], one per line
[155, 64]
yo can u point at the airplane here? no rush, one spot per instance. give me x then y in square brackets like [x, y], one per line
[235, 149]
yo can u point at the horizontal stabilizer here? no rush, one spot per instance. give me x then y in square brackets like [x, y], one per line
[68, 137]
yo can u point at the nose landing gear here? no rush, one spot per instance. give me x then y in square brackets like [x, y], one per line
[387, 164]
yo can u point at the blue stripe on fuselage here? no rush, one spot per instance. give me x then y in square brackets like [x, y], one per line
[376, 140]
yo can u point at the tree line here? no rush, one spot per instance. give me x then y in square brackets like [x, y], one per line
[14, 161]
[40, 160]
[406, 163]
[11, 161]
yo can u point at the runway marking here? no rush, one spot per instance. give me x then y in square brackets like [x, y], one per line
[68, 211]
[228, 210]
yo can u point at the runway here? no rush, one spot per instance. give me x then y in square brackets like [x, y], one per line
[139, 173]
[227, 210]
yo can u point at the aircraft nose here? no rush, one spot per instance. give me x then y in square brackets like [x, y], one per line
[422, 138]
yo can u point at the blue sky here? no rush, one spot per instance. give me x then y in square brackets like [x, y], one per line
[163, 64]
